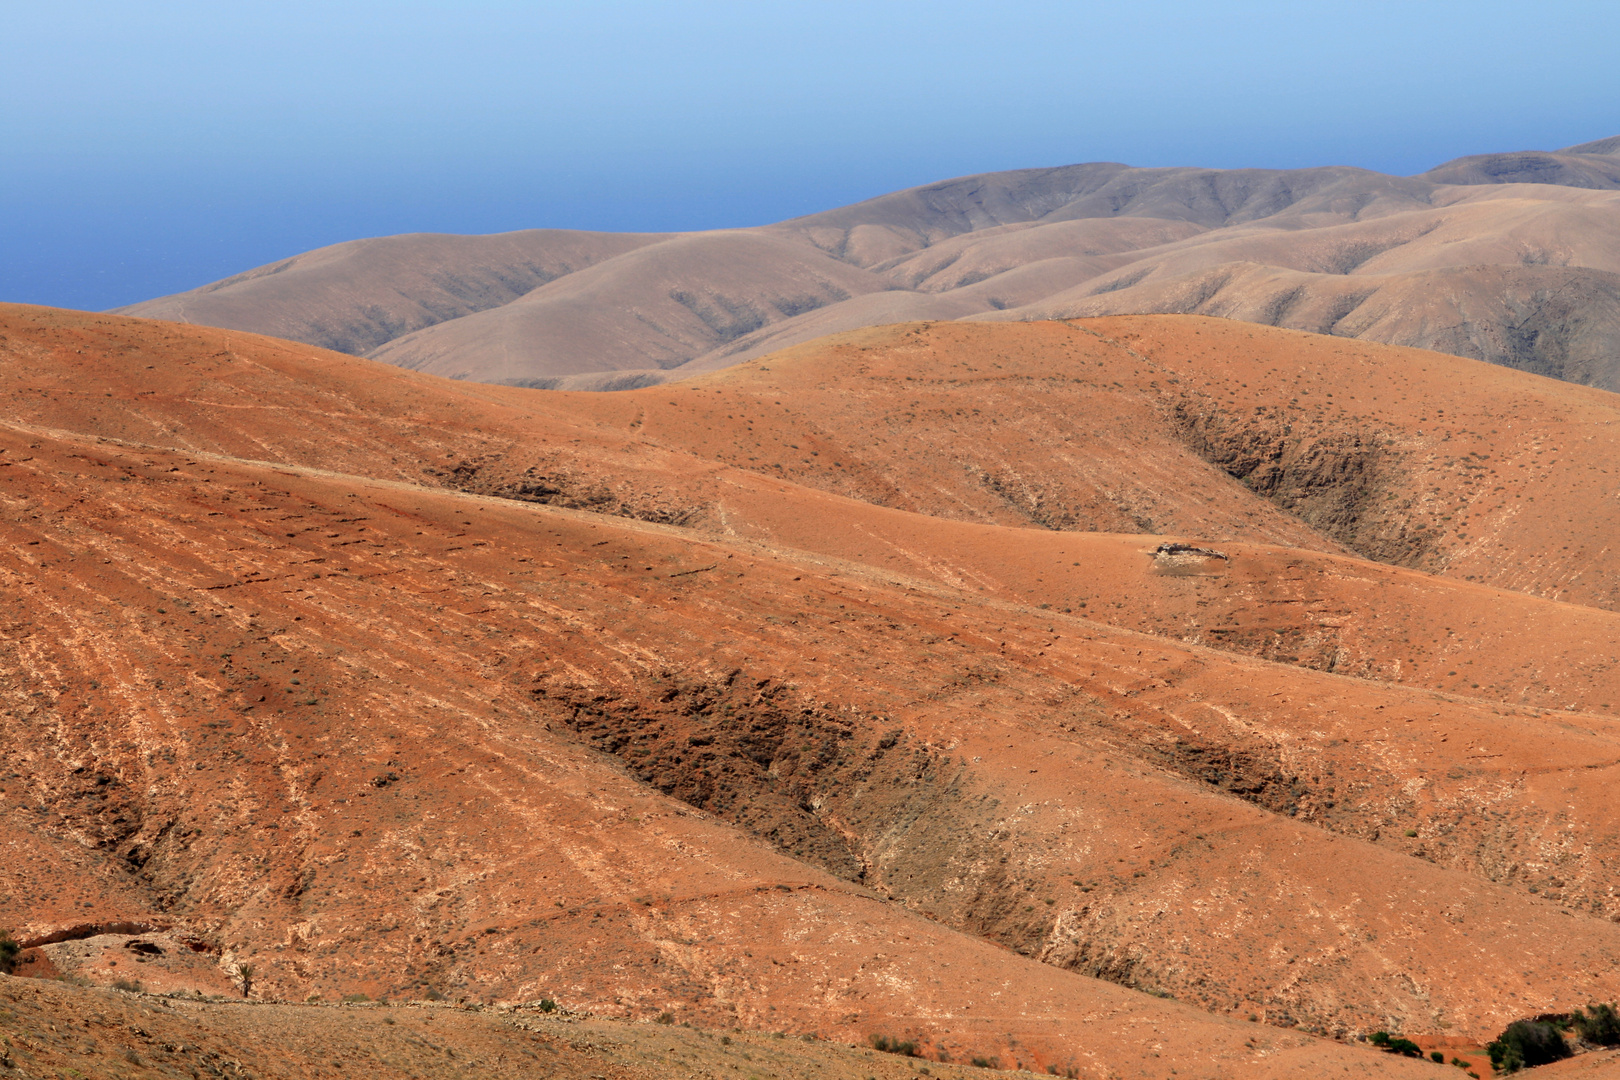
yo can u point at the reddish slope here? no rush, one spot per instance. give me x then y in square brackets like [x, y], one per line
[652, 456]
[435, 656]
[417, 823]
[863, 726]
[1419, 459]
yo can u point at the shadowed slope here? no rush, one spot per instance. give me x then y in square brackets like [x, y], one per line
[1562, 323]
[1531, 167]
[1608, 147]
[890, 226]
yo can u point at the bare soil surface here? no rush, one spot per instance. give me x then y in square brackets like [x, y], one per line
[380, 684]
[52, 1029]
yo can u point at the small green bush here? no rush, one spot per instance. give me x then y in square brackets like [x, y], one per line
[1525, 1044]
[885, 1045]
[1405, 1047]
[547, 1005]
[1599, 1025]
[1393, 1044]
[8, 953]
[129, 986]
[1437, 1057]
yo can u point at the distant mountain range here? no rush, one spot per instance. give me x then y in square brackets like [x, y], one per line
[1512, 258]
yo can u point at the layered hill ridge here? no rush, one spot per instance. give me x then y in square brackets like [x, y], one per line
[1146, 425]
[357, 296]
[823, 694]
[1507, 258]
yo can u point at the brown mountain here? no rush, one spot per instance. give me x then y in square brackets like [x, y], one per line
[823, 694]
[1589, 165]
[357, 296]
[1508, 258]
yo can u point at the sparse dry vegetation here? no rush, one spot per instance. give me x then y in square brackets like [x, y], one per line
[843, 770]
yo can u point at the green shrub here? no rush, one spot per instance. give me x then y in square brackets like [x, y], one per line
[1437, 1057]
[1404, 1046]
[1525, 1044]
[1598, 1025]
[8, 953]
[130, 986]
[547, 1005]
[903, 1047]
[1393, 1044]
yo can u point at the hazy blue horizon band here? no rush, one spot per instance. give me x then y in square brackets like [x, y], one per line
[154, 149]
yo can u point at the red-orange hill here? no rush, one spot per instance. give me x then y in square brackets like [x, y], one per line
[373, 735]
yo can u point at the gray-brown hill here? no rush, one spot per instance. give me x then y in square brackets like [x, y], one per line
[1510, 258]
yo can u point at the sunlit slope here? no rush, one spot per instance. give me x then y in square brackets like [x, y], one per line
[437, 686]
[867, 727]
[991, 449]
[1412, 458]
[360, 758]
[1110, 425]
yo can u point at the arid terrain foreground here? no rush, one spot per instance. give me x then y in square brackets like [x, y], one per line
[1132, 696]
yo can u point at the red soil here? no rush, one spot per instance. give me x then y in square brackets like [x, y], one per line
[808, 763]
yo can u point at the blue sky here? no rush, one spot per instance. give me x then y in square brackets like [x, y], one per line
[150, 148]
